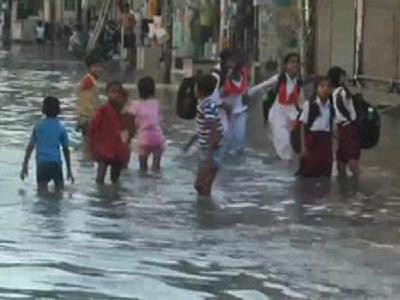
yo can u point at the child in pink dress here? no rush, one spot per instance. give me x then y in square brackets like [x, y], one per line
[147, 118]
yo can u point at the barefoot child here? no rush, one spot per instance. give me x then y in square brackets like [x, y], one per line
[349, 150]
[147, 118]
[209, 131]
[317, 118]
[47, 137]
[109, 135]
[88, 94]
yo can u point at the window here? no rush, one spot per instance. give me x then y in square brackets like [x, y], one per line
[27, 8]
[70, 5]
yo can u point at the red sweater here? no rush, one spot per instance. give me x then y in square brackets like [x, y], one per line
[105, 138]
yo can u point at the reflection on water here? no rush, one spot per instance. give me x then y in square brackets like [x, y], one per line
[272, 236]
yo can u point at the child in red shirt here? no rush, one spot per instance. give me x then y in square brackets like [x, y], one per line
[109, 134]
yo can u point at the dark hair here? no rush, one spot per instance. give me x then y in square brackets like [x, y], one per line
[318, 80]
[51, 107]
[93, 58]
[114, 84]
[289, 56]
[206, 84]
[147, 87]
[334, 75]
[226, 54]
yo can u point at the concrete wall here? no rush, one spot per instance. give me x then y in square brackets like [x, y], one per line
[335, 35]
[279, 30]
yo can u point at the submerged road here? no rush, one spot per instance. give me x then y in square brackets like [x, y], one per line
[272, 237]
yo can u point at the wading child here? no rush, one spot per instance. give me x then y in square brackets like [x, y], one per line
[349, 150]
[88, 93]
[316, 133]
[288, 94]
[209, 131]
[47, 137]
[147, 118]
[109, 135]
[232, 91]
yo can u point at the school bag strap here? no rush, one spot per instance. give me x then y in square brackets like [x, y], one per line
[341, 107]
[315, 112]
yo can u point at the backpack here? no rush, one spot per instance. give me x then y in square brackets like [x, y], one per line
[186, 104]
[269, 98]
[368, 122]
[314, 113]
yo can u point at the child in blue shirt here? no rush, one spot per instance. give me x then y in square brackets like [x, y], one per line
[47, 137]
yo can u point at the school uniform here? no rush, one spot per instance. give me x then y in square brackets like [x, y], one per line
[233, 92]
[283, 113]
[318, 139]
[345, 117]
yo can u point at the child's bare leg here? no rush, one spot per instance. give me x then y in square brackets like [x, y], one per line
[354, 167]
[143, 163]
[116, 169]
[43, 187]
[341, 167]
[209, 184]
[157, 162]
[59, 187]
[204, 182]
[101, 172]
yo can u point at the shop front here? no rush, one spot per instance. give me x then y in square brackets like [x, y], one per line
[196, 29]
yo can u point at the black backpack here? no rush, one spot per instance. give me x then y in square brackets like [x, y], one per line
[269, 98]
[368, 122]
[186, 104]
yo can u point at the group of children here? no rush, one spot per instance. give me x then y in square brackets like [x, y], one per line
[221, 124]
[108, 130]
[329, 113]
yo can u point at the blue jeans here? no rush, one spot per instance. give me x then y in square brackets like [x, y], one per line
[237, 132]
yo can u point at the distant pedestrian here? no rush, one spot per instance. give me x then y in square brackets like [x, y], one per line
[316, 134]
[349, 150]
[128, 23]
[209, 132]
[147, 118]
[47, 137]
[286, 90]
[88, 93]
[40, 32]
[109, 135]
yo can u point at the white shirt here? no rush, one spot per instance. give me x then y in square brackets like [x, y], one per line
[348, 104]
[272, 82]
[323, 122]
[290, 84]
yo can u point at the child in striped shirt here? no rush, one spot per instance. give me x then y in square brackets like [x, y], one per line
[209, 132]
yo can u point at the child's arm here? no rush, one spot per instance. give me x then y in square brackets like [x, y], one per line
[266, 84]
[215, 137]
[67, 156]
[25, 164]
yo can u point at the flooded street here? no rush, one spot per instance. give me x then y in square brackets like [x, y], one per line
[272, 237]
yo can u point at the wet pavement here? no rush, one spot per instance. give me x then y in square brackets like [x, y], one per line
[272, 237]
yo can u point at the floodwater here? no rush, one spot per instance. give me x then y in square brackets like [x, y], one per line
[272, 236]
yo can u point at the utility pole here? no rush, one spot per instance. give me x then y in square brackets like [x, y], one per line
[168, 16]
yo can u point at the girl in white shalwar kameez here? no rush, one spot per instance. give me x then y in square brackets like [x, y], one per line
[284, 111]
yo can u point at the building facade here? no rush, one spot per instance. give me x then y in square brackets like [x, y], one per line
[362, 36]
